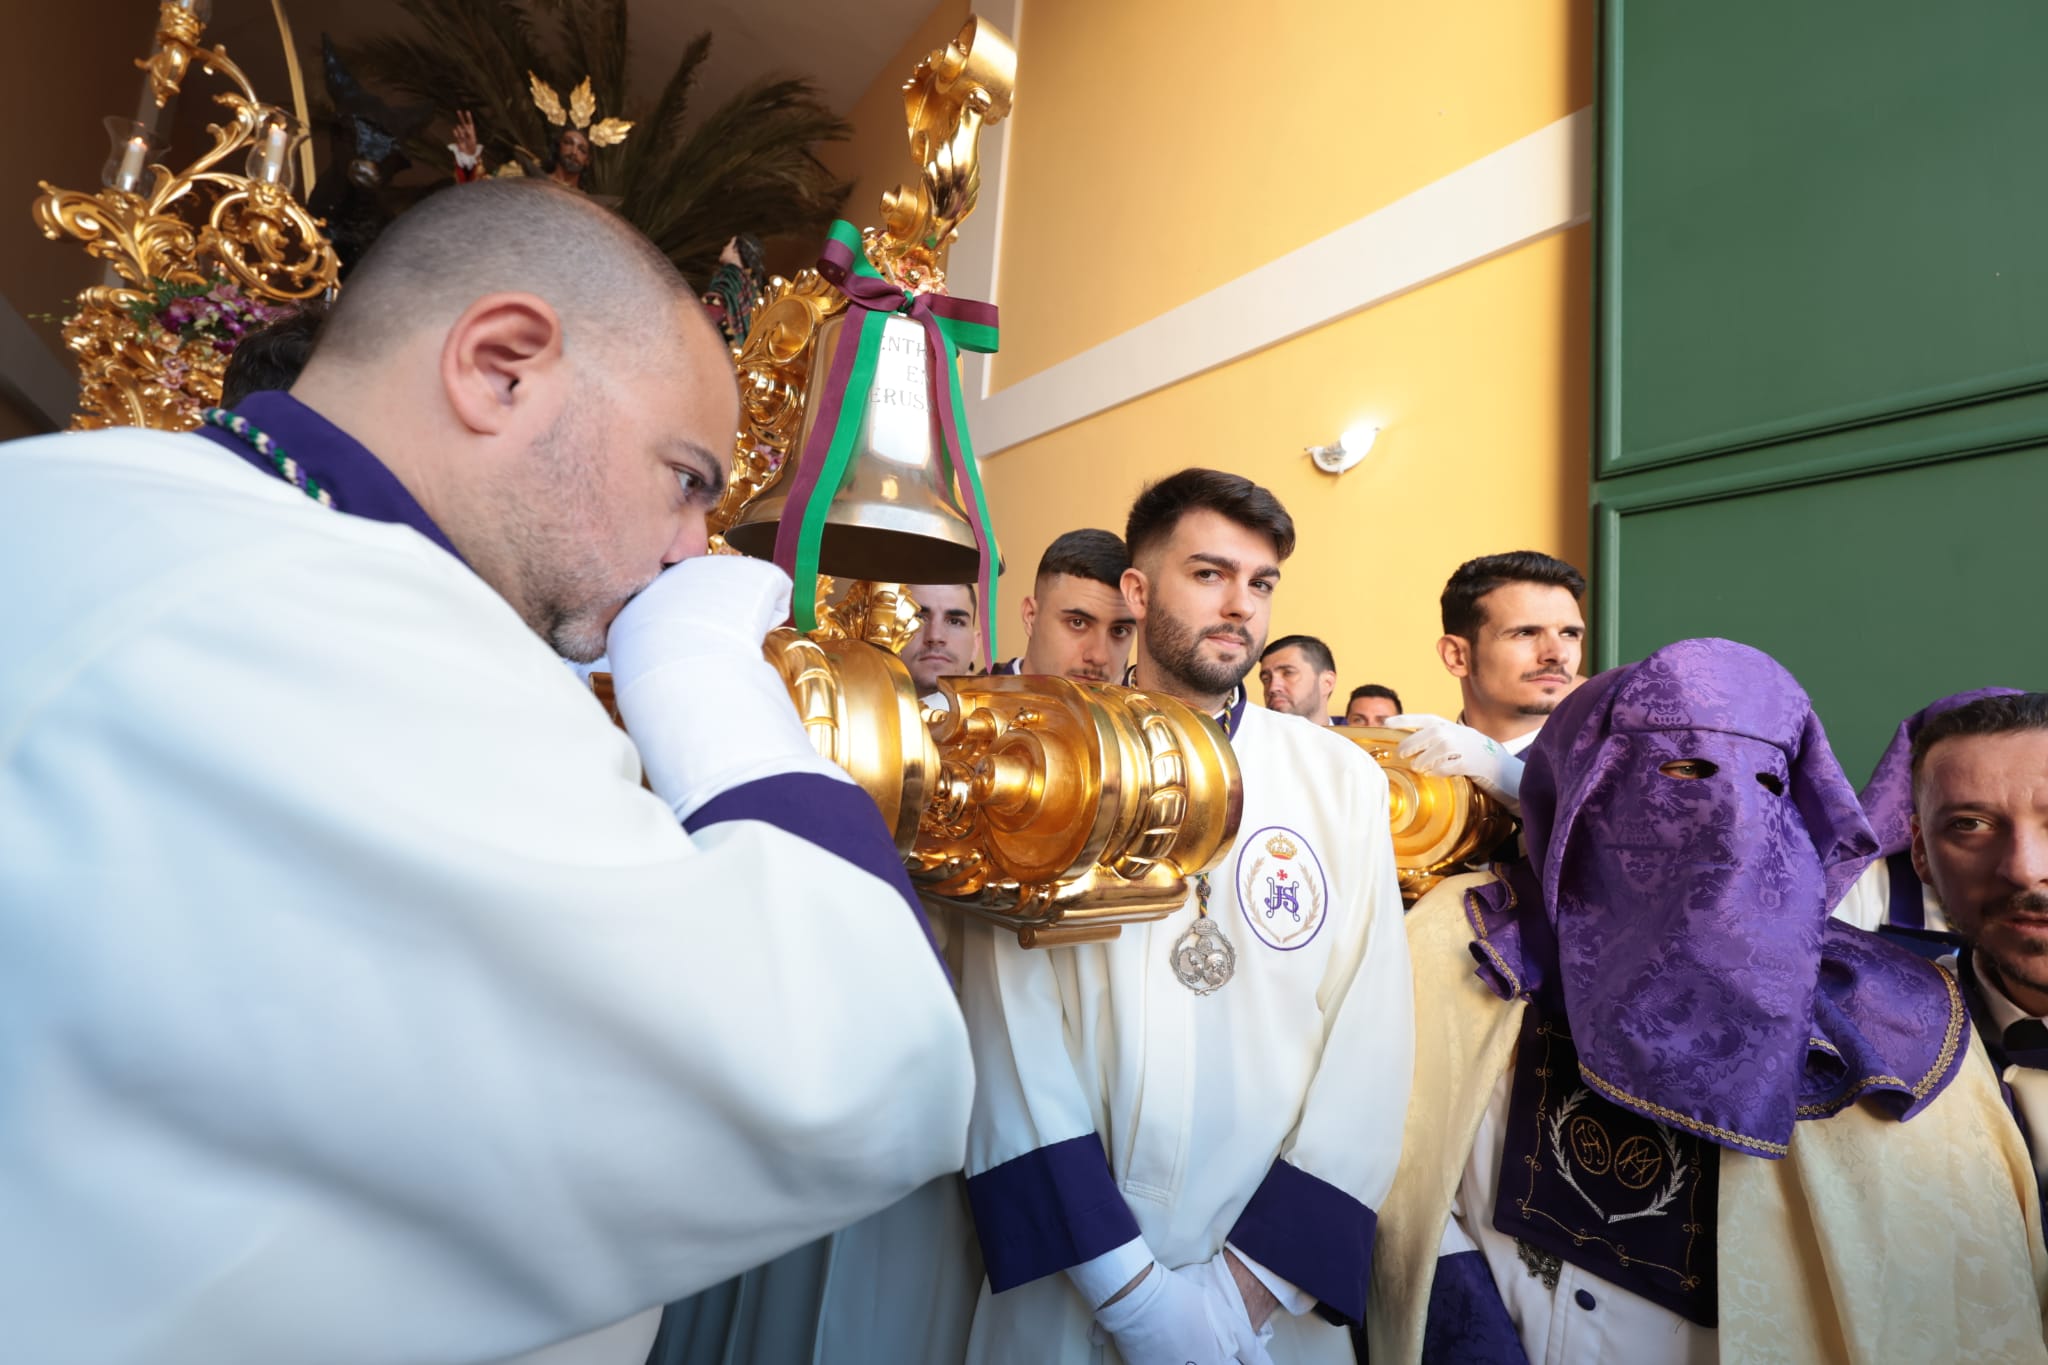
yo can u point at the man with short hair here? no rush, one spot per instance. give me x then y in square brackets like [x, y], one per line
[1181, 1135]
[1513, 637]
[1298, 675]
[379, 1013]
[942, 646]
[1980, 839]
[1076, 622]
[1890, 895]
[1678, 1114]
[1372, 704]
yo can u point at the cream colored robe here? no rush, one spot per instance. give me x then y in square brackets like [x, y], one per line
[1872, 1242]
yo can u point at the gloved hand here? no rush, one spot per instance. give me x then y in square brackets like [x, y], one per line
[1214, 1277]
[1442, 748]
[705, 709]
[1172, 1319]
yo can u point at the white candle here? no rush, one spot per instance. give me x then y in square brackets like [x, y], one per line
[134, 155]
[270, 167]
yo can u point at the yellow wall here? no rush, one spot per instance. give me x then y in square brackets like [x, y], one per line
[1159, 150]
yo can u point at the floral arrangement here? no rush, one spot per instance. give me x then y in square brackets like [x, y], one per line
[193, 326]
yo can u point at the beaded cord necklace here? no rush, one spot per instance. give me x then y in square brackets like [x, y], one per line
[258, 440]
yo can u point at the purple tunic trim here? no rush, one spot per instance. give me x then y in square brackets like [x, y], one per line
[358, 481]
[1682, 923]
[1468, 1323]
[1047, 1210]
[1313, 1235]
[834, 815]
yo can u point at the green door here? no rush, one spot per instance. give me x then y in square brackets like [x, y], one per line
[1823, 344]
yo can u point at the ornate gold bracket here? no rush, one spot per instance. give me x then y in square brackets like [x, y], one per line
[254, 232]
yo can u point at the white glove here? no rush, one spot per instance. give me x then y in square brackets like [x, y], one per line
[1248, 1342]
[1442, 748]
[1172, 1319]
[705, 709]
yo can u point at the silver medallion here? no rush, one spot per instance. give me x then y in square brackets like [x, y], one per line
[1203, 958]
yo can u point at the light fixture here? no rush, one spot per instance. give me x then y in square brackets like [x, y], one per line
[1350, 448]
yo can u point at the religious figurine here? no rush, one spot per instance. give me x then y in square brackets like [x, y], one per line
[568, 159]
[736, 287]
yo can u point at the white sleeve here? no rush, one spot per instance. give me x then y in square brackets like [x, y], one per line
[382, 1009]
[1311, 1221]
[1037, 1175]
[1867, 902]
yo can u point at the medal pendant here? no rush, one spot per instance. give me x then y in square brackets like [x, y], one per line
[1203, 958]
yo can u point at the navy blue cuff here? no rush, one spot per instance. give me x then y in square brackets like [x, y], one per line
[1468, 1322]
[1046, 1210]
[1313, 1235]
[837, 816]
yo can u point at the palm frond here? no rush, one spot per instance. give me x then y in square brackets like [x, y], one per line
[689, 184]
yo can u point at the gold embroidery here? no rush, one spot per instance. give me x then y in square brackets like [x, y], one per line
[1500, 964]
[1678, 1120]
[1843, 1098]
[1693, 1228]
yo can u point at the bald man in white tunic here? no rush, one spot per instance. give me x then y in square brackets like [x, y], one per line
[365, 1007]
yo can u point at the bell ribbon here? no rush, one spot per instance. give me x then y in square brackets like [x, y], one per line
[951, 325]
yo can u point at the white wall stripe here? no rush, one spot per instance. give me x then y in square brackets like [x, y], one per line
[1529, 189]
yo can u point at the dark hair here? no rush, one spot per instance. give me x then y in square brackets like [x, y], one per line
[1314, 650]
[1463, 616]
[1985, 716]
[1375, 690]
[1095, 555]
[1161, 506]
[271, 356]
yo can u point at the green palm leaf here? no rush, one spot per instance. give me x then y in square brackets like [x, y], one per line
[691, 184]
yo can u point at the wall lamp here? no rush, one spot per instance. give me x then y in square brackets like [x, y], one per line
[1350, 448]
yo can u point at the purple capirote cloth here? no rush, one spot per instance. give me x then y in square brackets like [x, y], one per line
[1681, 924]
[1887, 798]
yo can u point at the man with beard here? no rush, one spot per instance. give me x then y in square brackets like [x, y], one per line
[1180, 1136]
[942, 646]
[1980, 839]
[1076, 622]
[371, 1009]
[1678, 1114]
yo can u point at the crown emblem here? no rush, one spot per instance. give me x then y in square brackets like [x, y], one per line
[1280, 846]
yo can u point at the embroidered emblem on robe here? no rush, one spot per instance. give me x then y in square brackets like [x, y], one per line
[1281, 889]
[1603, 1188]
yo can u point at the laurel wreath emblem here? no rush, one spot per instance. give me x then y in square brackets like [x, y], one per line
[1680, 1169]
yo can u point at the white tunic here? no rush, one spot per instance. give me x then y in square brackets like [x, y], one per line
[362, 1007]
[1867, 903]
[1288, 1084]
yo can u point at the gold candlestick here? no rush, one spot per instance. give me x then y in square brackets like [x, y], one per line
[189, 227]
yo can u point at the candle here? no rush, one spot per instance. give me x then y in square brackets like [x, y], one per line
[271, 158]
[134, 155]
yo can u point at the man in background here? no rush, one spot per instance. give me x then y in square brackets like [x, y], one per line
[942, 646]
[1372, 705]
[1513, 637]
[1299, 675]
[1076, 622]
